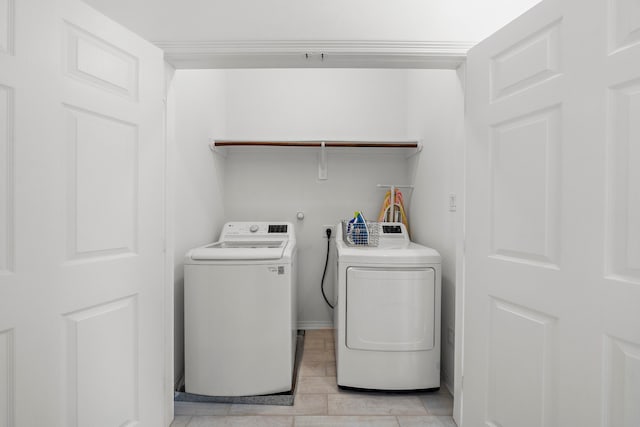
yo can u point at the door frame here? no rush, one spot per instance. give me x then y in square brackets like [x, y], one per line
[449, 55]
[168, 239]
[439, 54]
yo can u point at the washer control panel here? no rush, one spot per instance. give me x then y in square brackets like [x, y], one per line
[256, 229]
[278, 228]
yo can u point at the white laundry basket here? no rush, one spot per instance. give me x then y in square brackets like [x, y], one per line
[361, 234]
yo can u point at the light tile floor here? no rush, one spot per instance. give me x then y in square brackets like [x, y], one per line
[319, 401]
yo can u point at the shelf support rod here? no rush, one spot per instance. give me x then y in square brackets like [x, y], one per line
[322, 162]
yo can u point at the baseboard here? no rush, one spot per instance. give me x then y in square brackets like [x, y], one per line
[315, 324]
[448, 387]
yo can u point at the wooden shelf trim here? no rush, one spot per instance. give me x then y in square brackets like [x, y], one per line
[327, 144]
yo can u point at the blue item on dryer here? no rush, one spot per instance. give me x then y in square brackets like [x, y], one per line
[358, 229]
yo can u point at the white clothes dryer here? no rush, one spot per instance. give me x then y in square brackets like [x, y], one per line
[387, 313]
[240, 311]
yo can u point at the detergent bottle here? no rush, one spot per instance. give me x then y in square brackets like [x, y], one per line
[351, 222]
[358, 229]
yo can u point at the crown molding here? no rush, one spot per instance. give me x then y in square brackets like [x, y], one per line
[315, 54]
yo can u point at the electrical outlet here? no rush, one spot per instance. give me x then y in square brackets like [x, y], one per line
[453, 204]
[331, 227]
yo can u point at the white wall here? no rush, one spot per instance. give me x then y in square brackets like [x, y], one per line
[225, 20]
[316, 103]
[199, 107]
[436, 114]
[275, 183]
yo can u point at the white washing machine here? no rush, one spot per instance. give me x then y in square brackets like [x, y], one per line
[387, 313]
[240, 311]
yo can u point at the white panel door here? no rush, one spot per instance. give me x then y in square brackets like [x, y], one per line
[81, 220]
[552, 293]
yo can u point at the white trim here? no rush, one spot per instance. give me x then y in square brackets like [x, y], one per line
[460, 231]
[448, 387]
[315, 324]
[315, 54]
[168, 230]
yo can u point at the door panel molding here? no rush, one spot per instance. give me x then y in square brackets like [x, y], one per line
[528, 62]
[102, 364]
[7, 372]
[525, 172]
[623, 207]
[624, 24]
[521, 344]
[103, 185]
[7, 115]
[94, 61]
[621, 393]
[7, 27]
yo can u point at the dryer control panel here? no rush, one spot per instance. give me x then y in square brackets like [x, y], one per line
[393, 234]
[391, 229]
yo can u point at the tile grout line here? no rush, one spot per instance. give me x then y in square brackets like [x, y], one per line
[327, 395]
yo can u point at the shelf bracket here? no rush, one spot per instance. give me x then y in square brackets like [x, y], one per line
[322, 162]
[215, 149]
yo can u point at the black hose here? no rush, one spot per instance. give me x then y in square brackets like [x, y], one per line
[328, 231]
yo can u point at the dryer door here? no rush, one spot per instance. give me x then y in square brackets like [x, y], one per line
[390, 309]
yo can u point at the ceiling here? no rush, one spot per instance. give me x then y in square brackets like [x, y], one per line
[415, 20]
[350, 33]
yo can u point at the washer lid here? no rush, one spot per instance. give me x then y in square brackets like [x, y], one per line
[239, 250]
